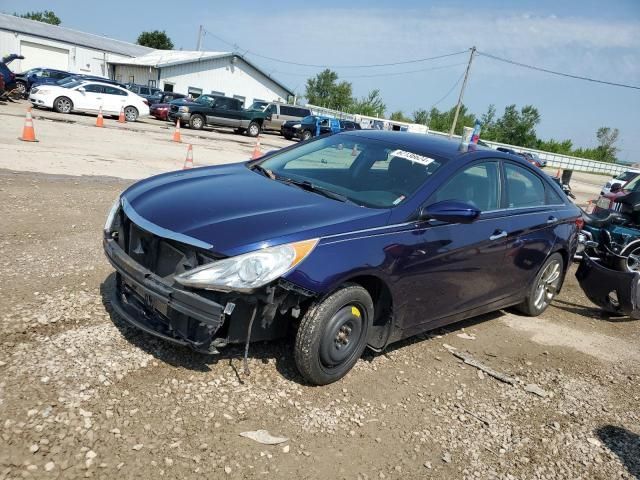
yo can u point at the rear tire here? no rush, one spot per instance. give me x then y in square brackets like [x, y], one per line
[130, 114]
[544, 288]
[63, 105]
[196, 122]
[333, 334]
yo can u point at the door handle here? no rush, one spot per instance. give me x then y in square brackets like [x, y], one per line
[498, 234]
[552, 219]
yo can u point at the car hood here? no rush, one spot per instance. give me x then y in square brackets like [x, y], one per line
[232, 210]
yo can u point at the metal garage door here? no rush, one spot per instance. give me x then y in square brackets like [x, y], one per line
[36, 55]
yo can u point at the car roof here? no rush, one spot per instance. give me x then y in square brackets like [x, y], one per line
[105, 84]
[425, 143]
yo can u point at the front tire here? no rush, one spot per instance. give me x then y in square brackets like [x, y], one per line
[63, 105]
[306, 135]
[196, 122]
[333, 334]
[21, 87]
[544, 287]
[254, 129]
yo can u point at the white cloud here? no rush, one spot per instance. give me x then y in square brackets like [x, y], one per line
[594, 47]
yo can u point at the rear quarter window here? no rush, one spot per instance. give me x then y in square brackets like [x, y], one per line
[524, 188]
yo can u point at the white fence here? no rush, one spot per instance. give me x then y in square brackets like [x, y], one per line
[553, 159]
[559, 161]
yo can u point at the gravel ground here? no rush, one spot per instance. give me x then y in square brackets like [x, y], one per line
[83, 395]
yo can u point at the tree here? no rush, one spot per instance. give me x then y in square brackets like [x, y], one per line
[155, 39]
[606, 150]
[398, 116]
[46, 16]
[518, 127]
[421, 116]
[372, 105]
[441, 121]
[323, 90]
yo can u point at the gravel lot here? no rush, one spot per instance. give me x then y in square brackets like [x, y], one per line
[83, 395]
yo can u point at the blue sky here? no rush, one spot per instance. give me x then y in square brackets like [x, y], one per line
[595, 39]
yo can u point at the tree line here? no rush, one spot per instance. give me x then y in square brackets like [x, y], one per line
[515, 126]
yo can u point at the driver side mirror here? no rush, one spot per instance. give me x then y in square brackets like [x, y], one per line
[81, 89]
[450, 211]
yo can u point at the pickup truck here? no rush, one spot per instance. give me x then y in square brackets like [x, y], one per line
[218, 111]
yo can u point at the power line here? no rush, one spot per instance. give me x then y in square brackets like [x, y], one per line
[562, 74]
[418, 60]
[439, 67]
[451, 89]
[298, 64]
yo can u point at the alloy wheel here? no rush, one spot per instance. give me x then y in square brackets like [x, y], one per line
[547, 285]
[64, 105]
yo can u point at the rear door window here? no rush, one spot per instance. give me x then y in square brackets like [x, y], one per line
[524, 188]
[478, 184]
[114, 91]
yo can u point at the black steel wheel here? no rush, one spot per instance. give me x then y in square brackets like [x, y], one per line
[333, 334]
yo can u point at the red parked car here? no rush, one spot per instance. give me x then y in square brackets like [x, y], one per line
[160, 110]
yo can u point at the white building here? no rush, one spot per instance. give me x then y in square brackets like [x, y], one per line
[61, 48]
[45, 45]
[196, 73]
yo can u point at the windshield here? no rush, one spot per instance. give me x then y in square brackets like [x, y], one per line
[65, 80]
[367, 172]
[633, 185]
[204, 100]
[626, 176]
[72, 84]
[258, 106]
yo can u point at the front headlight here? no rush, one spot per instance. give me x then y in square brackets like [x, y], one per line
[112, 215]
[247, 272]
[297, 125]
[183, 109]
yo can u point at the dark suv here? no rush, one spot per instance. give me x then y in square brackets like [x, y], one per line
[26, 80]
[146, 92]
[8, 77]
[218, 111]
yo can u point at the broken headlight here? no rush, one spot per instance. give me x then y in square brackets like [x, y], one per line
[112, 215]
[247, 272]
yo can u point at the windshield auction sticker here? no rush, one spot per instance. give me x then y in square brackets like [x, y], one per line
[414, 157]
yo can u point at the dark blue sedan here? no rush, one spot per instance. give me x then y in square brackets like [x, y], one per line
[346, 241]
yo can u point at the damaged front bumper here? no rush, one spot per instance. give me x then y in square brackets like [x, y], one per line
[202, 320]
[614, 291]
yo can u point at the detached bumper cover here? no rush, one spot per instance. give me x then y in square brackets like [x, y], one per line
[149, 303]
[614, 291]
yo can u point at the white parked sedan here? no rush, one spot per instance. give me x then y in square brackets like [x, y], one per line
[89, 96]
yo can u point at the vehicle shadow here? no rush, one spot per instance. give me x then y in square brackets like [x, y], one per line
[625, 444]
[178, 356]
[591, 312]
[468, 323]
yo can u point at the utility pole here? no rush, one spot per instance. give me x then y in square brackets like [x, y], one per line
[464, 84]
[200, 33]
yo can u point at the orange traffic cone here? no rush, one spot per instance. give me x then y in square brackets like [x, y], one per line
[188, 162]
[354, 152]
[257, 152]
[121, 118]
[28, 133]
[176, 133]
[100, 119]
